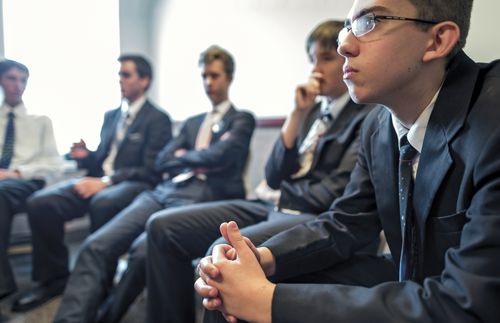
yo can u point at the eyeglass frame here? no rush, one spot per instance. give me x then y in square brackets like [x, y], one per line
[348, 25]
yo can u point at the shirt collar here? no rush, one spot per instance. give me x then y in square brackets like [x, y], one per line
[222, 108]
[416, 133]
[133, 108]
[334, 107]
[18, 110]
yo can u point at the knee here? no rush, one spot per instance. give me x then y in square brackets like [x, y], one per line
[101, 203]
[138, 252]
[37, 205]
[94, 248]
[161, 231]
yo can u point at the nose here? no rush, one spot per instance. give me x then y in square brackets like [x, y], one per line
[208, 81]
[348, 46]
[316, 67]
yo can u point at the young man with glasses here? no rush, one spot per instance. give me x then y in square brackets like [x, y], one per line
[438, 206]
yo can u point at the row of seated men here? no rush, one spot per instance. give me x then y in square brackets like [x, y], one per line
[437, 203]
[139, 171]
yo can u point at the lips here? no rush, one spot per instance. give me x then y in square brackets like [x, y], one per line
[349, 72]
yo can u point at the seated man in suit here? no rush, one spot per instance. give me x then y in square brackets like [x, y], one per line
[120, 168]
[310, 164]
[29, 158]
[439, 205]
[204, 162]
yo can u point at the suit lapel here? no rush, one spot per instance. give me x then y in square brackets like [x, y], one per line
[138, 120]
[220, 127]
[345, 117]
[447, 118]
[112, 128]
[384, 167]
[335, 130]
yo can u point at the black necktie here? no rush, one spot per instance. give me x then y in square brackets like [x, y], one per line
[8, 144]
[408, 260]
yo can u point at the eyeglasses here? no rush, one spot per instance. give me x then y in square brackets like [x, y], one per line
[366, 23]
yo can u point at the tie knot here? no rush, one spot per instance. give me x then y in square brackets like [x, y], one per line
[406, 150]
[11, 115]
[326, 117]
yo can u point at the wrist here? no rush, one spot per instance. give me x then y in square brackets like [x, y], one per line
[265, 306]
[267, 261]
[106, 180]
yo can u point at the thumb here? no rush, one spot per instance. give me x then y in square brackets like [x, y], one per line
[237, 241]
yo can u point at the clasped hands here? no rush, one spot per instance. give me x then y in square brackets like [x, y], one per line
[233, 280]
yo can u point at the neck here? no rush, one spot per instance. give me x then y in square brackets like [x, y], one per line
[216, 103]
[408, 104]
[134, 99]
[13, 104]
[335, 97]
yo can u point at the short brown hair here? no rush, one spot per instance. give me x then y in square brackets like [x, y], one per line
[7, 64]
[215, 52]
[458, 11]
[142, 66]
[325, 34]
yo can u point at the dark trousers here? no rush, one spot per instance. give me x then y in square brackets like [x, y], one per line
[13, 196]
[361, 270]
[177, 237]
[96, 263]
[50, 208]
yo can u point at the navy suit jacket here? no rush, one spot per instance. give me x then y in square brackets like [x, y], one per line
[334, 159]
[136, 155]
[225, 158]
[457, 208]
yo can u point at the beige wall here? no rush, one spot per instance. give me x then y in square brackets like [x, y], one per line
[483, 43]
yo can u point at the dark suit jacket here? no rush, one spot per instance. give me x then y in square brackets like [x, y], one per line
[334, 159]
[135, 158]
[457, 207]
[224, 159]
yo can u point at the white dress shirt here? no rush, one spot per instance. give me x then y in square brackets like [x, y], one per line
[416, 133]
[35, 151]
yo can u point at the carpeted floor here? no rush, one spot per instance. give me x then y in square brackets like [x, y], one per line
[21, 263]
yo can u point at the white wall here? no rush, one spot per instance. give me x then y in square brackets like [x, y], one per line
[483, 43]
[266, 38]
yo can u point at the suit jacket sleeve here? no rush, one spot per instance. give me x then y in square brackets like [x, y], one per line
[158, 132]
[467, 290]
[181, 141]
[92, 162]
[233, 144]
[305, 194]
[335, 235]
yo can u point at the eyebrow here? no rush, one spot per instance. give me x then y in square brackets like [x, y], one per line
[364, 11]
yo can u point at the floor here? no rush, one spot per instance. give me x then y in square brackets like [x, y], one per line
[21, 263]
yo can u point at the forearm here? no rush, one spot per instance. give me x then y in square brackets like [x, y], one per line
[292, 127]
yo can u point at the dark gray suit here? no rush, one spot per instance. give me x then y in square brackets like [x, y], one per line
[50, 208]
[173, 244]
[457, 209]
[224, 161]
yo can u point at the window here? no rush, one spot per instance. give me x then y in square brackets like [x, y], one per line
[71, 49]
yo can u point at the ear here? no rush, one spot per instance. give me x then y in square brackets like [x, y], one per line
[145, 82]
[445, 36]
